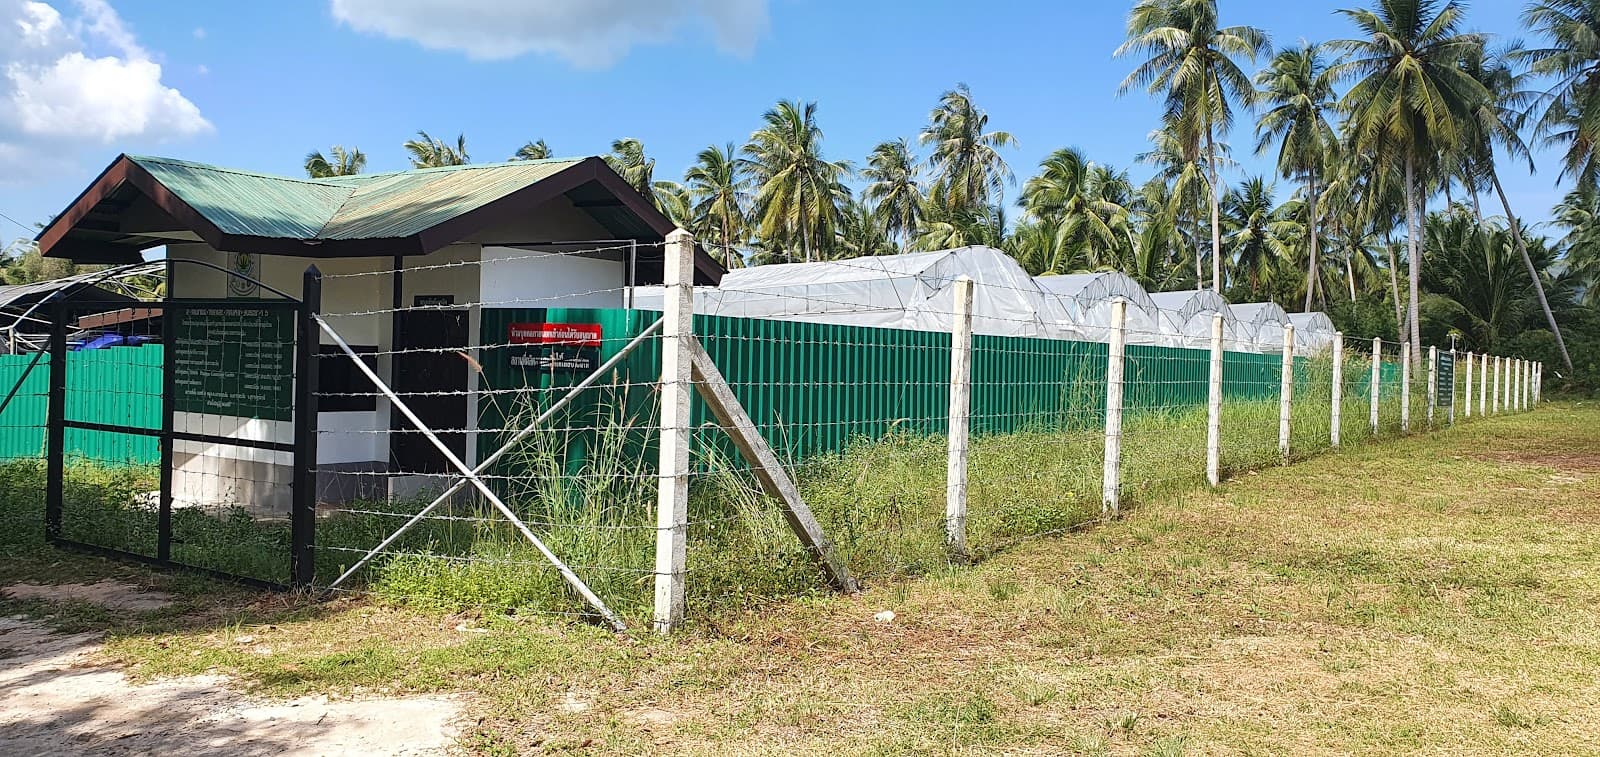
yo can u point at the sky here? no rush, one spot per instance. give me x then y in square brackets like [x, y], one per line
[257, 85]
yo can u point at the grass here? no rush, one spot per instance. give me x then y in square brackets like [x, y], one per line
[1436, 593]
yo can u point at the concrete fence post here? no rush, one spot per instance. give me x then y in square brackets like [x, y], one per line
[1483, 385]
[1336, 400]
[672, 500]
[1495, 391]
[1522, 385]
[955, 504]
[1468, 408]
[1433, 383]
[1286, 393]
[1405, 387]
[1538, 384]
[1111, 487]
[1376, 383]
[1214, 406]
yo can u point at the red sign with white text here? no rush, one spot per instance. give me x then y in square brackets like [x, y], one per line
[575, 334]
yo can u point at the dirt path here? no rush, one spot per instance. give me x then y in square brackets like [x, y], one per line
[58, 701]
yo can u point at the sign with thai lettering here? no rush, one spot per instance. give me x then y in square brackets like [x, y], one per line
[579, 334]
[234, 361]
[1444, 387]
[556, 347]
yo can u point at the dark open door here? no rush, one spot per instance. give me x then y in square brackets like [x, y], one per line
[432, 380]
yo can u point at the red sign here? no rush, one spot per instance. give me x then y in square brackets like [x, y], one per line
[578, 334]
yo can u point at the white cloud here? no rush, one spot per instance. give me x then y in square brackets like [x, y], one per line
[588, 33]
[78, 79]
[199, 32]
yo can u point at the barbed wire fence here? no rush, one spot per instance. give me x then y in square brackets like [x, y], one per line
[560, 450]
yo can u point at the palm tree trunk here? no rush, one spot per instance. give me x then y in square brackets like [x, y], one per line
[1538, 285]
[1216, 213]
[1311, 268]
[1414, 263]
[1394, 287]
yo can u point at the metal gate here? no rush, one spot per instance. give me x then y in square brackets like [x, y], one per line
[218, 479]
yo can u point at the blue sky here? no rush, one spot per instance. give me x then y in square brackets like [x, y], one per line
[257, 85]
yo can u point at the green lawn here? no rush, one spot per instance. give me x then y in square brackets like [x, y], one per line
[1436, 593]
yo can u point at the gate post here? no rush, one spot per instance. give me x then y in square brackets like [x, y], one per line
[55, 426]
[169, 395]
[303, 515]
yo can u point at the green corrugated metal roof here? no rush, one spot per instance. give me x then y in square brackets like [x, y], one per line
[369, 206]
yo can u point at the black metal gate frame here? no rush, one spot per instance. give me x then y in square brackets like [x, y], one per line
[302, 448]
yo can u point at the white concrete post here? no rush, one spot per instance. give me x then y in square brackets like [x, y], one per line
[1468, 408]
[1377, 380]
[1483, 385]
[1405, 387]
[1336, 405]
[955, 502]
[1285, 393]
[1499, 368]
[1538, 384]
[1111, 489]
[1433, 382]
[672, 500]
[1453, 368]
[1522, 385]
[1214, 406]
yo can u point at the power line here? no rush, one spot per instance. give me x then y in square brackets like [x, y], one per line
[19, 224]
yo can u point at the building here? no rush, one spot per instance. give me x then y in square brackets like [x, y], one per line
[412, 259]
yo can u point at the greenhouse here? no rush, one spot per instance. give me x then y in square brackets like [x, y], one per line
[1087, 298]
[1313, 332]
[1188, 320]
[912, 291]
[1265, 322]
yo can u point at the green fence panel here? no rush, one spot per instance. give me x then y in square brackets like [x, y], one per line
[117, 385]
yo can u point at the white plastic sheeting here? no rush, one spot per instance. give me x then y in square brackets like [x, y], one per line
[1188, 318]
[914, 291]
[1266, 323]
[1313, 331]
[1087, 298]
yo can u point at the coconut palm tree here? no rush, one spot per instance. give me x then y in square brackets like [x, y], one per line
[799, 192]
[1255, 237]
[721, 193]
[1410, 102]
[1579, 215]
[427, 152]
[860, 234]
[1180, 168]
[1499, 117]
[1571, 60]
[343, 163]
[1086, 206]
[1297, 93]
[629, 160]
[966, 156]
[532, 151]
[894, 189]
[1190, 61]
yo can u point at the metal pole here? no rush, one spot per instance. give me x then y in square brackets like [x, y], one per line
[1433, 382]
[1111, 486]
[1336, 404]
[677, 389]
[1286, 393]
[169, 394]
[1405, 387]
[1214, 406]
[1452, 386]
[308, 350]
[955, 506]
[55, 428]
[1377, 381]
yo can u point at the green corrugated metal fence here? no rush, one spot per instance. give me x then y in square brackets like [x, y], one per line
[117, 385]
